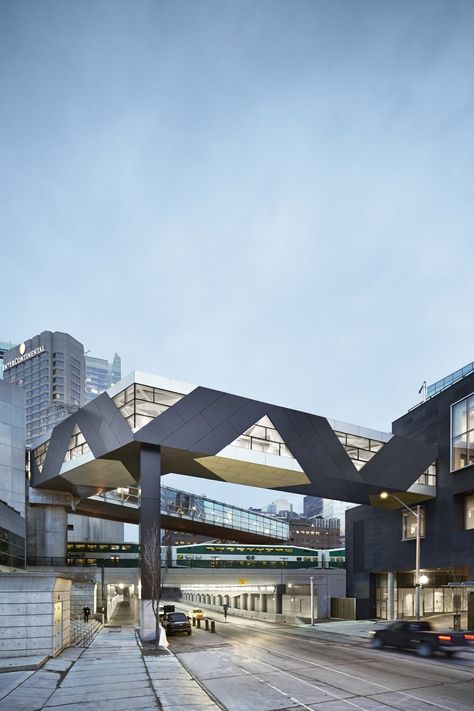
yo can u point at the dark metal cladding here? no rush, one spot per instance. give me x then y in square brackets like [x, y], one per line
[205, 421]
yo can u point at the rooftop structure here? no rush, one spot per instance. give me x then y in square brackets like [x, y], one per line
[449, 380]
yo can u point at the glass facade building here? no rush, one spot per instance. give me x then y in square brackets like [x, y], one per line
[100, 375]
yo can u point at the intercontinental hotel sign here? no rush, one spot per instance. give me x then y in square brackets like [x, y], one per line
[23, 356]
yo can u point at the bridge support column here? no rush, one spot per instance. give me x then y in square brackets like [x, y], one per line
[150, 508]
[390, 596]
[263, 602]
[47, 526]
[279, 591]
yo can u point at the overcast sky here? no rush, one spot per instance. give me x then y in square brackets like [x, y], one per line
[270, 198]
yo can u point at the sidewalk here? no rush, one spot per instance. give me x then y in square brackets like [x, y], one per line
[111, 675]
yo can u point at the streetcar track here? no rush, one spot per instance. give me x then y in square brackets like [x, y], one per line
[365, 646]
[386, 689]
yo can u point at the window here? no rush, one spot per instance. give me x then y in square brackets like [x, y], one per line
[469, 519]
[410, 523]
[462, 433]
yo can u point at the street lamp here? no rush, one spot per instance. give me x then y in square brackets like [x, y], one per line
[419, 581]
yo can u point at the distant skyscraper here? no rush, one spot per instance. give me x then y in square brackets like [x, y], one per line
[312, 506]
[315, 506]
[279, 505]
[337, 509]
[100, 375]
[50, 368]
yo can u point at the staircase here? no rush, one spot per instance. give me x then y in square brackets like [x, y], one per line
[82, 633]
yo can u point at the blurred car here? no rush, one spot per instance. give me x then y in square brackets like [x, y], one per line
[174, 622]
[420, 636]
[197, 613]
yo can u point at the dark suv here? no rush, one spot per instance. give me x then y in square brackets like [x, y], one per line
[176, 622]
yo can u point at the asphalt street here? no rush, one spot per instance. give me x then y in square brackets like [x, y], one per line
[252, 666]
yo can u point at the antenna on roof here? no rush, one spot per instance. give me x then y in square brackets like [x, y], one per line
[423, 390]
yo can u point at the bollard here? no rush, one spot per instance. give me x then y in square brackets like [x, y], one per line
[206, 622]
[213, 626]
[198, 623]
[194, 622]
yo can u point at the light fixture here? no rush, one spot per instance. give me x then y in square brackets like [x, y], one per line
[384, 495]
[424, 579]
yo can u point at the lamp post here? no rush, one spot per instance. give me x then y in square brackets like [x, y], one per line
[418, 582]
[311, 593]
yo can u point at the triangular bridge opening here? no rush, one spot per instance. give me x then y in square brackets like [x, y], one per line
[77, 445]
[263, 436]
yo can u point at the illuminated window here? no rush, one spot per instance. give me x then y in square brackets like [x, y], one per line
[469, 521]
[410, 523]
[462, 433]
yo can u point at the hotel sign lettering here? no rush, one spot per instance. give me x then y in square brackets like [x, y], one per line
[24, 356]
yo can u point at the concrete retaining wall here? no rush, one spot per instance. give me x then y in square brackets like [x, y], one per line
[83, 594]
[27, 614]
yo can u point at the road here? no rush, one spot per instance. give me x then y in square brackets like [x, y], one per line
[253, 666]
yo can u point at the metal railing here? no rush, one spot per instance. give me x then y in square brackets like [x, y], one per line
[82, 633]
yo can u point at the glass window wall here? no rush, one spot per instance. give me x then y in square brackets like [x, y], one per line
[462, 433]
[140, 404]
[410, 524]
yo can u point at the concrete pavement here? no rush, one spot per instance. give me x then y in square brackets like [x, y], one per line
[113, 674]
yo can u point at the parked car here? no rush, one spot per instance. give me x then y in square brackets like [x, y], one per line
[174, 622]
[420, 636]
[197, 613]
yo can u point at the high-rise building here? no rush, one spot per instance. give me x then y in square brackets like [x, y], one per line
[279, 505]
[4, 348]
[312, 506]
[100, 375]
[50, 368]
[337, 509]
[327, 508]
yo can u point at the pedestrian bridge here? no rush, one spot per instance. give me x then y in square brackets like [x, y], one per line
[184, 512]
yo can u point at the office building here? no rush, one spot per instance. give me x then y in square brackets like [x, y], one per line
[278, 506]
[312, 506]
[322, 533]
[337, 509]
[100, 375]
[50, 368]
[381, 539]
[328, 509]
[12, 476]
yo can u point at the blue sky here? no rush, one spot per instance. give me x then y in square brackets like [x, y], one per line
[270, 198]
